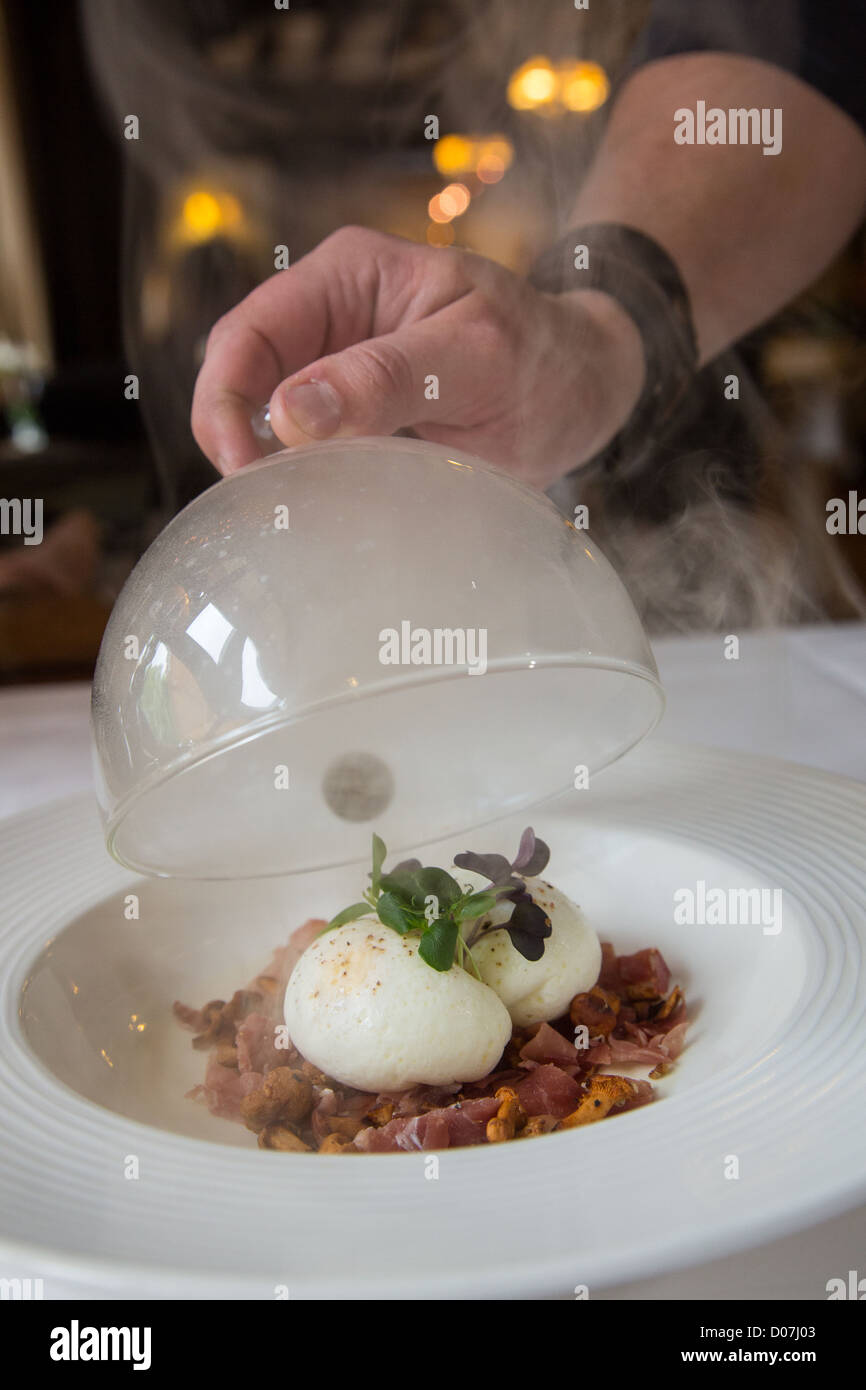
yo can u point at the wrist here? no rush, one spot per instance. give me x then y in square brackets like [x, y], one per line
[615, 364]
[628, 266]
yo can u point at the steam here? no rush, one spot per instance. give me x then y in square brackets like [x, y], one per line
[713, 566]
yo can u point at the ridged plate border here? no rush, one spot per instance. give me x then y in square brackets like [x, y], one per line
[208, 1221]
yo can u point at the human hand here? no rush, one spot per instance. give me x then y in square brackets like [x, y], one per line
[346, 342]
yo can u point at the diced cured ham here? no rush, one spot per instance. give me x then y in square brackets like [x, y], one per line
[450, 1127]
[647, 969]
[548, 1091]
[224, 1089]
[609, 976]
[256, 1040]
[419, 1099]
[624, 1052]
[549, 1046]
[673, 1042]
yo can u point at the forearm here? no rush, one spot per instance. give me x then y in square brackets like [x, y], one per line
[748, 231]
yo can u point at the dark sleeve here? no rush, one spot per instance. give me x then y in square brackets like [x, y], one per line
[821, 41]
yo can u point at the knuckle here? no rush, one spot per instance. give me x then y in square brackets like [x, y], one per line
[491, 334]
[494, 318]
[350, 237]
[436, 276]
[385, 367]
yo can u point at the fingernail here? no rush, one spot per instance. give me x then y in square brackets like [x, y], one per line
[315, 408]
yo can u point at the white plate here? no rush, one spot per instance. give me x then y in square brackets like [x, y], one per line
[774, 1075]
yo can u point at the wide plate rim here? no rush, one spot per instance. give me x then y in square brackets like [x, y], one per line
[539, 1275]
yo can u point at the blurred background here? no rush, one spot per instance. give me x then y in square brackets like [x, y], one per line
[256, 127]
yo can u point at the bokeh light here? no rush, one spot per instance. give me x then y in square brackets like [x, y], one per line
[205, 214]
[571, 86]
[454, 154]
[451, 202]
[440, 234]
[533, 84]
[201, 214]
[454, 200]
[490, 169]
[486, 156]
[583, 86]
[493, 157]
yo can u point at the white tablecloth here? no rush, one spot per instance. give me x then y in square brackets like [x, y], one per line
[797, 694]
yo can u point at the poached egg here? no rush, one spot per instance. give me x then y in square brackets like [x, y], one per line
[534, 991]
[363, 1006]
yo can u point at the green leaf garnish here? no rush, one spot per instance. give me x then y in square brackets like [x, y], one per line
[436, 883]
[438, 942]
[405, 885]
[392, 913]
[379, 852]
[430, 901]
[477, 906]
[349, 914]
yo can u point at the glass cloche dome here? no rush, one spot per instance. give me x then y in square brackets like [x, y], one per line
[364, 634]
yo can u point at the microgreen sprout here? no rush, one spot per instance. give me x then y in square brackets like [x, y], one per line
[450, 918]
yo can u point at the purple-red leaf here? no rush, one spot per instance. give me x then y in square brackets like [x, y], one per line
[525, 850]
[493, 866]
[409, 865]
[528, 928]
[529, 917]
[532, 855]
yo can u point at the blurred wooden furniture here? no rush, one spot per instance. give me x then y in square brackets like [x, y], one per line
[24, 315]
[49, 638]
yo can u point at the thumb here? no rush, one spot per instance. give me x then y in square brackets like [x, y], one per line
[373, 387]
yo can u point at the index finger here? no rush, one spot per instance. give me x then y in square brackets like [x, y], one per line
[291, 319]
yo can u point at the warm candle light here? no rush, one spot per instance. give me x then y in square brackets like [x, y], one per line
[583, 86]
[494, 156]
[454, 154]
[440, 234]
[454, 200]
[451, 202]
[205, 214]
[532, 84]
